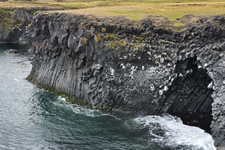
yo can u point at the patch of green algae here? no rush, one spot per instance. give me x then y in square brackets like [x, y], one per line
[69, 99]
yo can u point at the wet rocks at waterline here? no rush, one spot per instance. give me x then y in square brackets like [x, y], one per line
[139, 67]
[11, 51]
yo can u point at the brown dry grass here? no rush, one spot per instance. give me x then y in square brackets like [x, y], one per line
[133, 9]
[173, 11]
[27, 5]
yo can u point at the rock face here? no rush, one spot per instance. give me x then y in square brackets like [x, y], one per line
[138, 67]
[14, 23]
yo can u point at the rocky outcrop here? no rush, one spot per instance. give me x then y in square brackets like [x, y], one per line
[110, 63]
[11, 51]
[14, 23]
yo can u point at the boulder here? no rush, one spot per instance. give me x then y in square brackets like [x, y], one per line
[11, 51]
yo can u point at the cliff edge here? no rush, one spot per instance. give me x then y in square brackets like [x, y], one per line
[15, 21]
[115, 63]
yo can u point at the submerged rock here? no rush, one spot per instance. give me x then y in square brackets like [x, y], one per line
[11, 51]
[139, 68]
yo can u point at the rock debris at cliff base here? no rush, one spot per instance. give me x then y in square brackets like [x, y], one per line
[138, 67]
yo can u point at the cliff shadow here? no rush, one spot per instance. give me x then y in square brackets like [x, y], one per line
[189, 96]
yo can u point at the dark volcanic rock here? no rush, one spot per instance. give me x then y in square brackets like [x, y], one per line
[141, 68]
[14, 23]
[11, 51]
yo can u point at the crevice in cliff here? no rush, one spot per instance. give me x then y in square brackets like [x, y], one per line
[188, 97]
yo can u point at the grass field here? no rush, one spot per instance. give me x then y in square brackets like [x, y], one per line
[133, 9]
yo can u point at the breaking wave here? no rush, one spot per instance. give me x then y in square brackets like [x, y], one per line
[169, 131]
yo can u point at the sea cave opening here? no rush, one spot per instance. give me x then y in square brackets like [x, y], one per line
[189, 96]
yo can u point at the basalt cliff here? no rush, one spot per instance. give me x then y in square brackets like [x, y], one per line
[139, 67]
[14, 23]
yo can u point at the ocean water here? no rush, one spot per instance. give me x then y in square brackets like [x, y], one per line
[35, 119]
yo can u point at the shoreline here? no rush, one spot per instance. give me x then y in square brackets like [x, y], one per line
[145, 66]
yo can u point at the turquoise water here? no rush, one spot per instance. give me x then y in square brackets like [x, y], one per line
[35, 119]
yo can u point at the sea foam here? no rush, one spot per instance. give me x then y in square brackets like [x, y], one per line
[169, 131]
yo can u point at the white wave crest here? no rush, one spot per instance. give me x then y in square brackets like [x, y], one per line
[62, 98]
[170, 131]
[79, 109]
[85, 111]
